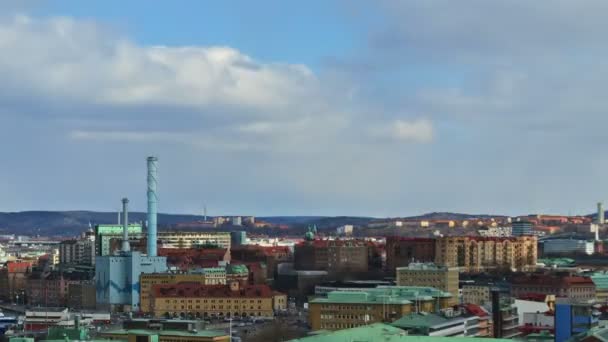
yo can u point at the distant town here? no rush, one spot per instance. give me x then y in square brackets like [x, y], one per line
[532, 277]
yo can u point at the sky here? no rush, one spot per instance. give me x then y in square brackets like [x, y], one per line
[324, 107]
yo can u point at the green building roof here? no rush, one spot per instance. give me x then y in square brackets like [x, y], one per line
[237, 269]
[559, 262]
[423, 321]
[386, 333]
[146, 332]
[600, 279]
[384, 295]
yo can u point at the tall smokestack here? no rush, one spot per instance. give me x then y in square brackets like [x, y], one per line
[600, 213]
[152, 206]
[125, 225]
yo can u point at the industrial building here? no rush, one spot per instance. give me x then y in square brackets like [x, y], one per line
[117, 276]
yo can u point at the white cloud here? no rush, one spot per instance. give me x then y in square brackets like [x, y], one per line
[418, 131]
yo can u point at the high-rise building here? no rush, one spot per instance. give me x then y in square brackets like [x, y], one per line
[428, 274]
[77, 252]
[475, 253]
[521, 228]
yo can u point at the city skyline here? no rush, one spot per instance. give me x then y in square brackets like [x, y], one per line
[324, 108]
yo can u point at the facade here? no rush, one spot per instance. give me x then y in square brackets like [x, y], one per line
[78, 252]
[568, 246]
[445, 324]
[51, 288]
[573, 287]
[428, 274]
[332, 256]
[476, 294]
[474, 254]
[81, 296]
[194, 239]
[572, 319]
[498, 231]
[13, 278]
[342, 310]
[505, 317]
[201, 301]
[104, 234]
[205, 276]
[117, 279]
[522, 228]
[401, 251]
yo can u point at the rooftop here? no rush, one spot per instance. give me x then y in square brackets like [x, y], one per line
[195, 289]
[382, 332]
[384, 295]
[425, 320]
[147, 332]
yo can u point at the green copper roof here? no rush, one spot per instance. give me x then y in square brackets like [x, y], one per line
[237, 269]
[423, 320]
[384, 333]
[146, 332]
[561, 262]
[600, 279]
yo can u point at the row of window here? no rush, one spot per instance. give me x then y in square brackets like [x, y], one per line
[336, 326]
[366, 317]
[213, 307]
[236, 301]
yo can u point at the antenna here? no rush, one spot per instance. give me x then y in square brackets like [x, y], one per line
[205, 212]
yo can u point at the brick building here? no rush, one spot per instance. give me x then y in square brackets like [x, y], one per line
[271, 256]
[332, 256]
[573, 287]
[13, 277]
[400, 251]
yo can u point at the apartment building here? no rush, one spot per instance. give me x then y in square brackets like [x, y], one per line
[401, 251]
[196, 300]
[429, 274]
[332, 256]
[78, 252]
[475, 253]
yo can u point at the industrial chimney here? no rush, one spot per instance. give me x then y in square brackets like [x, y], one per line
[600, 213]
[152, 206]
[125, 225]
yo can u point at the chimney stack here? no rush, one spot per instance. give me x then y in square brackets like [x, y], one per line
[600, 213]
[125, 225]
[152, 206]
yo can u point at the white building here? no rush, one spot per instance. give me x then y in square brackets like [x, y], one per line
[563, 246]
[346, 229]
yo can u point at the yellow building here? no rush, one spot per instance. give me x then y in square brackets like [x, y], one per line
[196, 300]
[428, 274]
[475, 253]
[476, 294]
[147, 281]
[349, 309]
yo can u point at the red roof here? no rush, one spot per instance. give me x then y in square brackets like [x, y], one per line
[475, 310]
[549, 280]
[194, 289]
[18, 266]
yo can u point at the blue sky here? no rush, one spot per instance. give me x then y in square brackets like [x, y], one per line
[383, 108]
